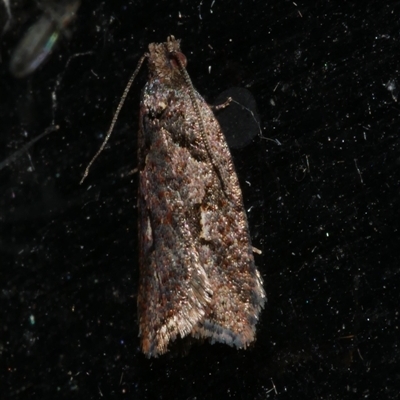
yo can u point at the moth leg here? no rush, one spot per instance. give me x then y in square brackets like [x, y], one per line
[221, 106]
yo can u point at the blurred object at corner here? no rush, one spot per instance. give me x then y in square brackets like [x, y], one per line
[41, 38]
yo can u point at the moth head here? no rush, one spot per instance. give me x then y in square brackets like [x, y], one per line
[165, 60]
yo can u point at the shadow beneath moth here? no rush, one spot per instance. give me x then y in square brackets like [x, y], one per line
[197, 271]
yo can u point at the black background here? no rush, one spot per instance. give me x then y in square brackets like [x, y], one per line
[322, 199]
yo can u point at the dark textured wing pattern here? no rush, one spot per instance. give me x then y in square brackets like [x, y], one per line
[197, 269]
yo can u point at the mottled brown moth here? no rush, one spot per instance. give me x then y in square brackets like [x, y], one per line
[197, 271]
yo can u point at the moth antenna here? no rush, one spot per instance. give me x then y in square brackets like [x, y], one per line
[115, 117]
[200, 121]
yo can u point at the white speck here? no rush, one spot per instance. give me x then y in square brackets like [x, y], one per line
[390, 85]
[211, 11]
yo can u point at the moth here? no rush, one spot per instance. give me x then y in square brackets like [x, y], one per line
[197, 272]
